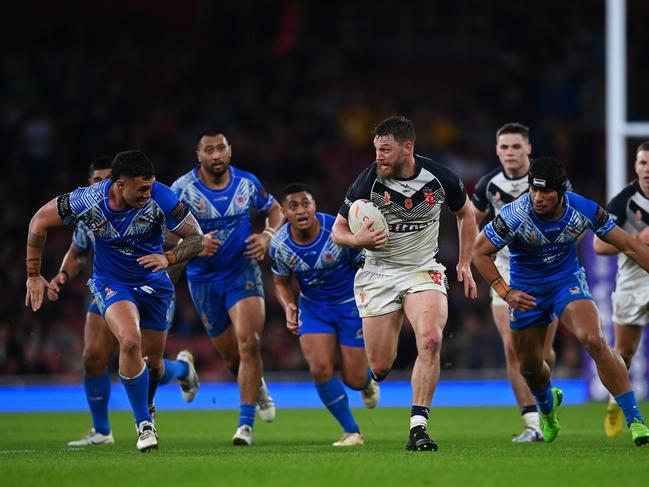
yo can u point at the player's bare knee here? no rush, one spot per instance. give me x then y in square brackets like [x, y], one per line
[130, 346]
[594, 344]
[355, 381]
[429, 344]
[321, 372]
[249, 347]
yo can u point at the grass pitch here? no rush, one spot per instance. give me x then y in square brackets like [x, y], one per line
[295, 450]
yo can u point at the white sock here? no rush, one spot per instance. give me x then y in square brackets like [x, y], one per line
[418, 420]
[532, 421]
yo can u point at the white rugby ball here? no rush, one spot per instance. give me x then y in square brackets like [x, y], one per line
[363, 210]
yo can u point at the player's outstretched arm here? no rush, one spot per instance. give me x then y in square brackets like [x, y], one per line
[257, 244]
[603, 248]
[189, 246]
[364, 238]
[74, 260]
[45, 218]
[286, 298]
[482, 252]
[467, 232]
[630, 246]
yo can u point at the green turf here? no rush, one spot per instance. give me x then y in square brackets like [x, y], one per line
[475, 450]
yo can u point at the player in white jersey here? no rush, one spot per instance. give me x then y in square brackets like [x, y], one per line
[493, 191]
[630, 211]
[401, 276]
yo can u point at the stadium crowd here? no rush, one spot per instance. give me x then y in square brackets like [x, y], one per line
[301, 107]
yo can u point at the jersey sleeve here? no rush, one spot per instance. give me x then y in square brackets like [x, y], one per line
[599, 221]
[501, 230]
[360, 189]
[262, 199]
[277, 264]
[174, 210]
[454, 193]
[71, 206]
[617, 207]
[479, 198]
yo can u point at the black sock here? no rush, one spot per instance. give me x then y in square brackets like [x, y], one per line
[419, 411]
[529, 409]
[379, 377]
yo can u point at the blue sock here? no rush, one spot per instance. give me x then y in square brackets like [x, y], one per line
[97, 395]
[247, 414]
[544, 399]
[629, 405]
[174, 369]
[137, 390]
[333, 395]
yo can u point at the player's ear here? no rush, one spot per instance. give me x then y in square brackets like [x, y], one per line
[408, 147]
[529, 149]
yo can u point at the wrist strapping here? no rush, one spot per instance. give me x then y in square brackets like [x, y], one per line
[171, 257]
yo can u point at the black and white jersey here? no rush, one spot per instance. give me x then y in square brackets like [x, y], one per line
[495, 190]
[411, 208]
[630, 211]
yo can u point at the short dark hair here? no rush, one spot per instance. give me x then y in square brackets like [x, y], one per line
[643, 146]
[212, 132]
[102, 162]
[132, 164]
[514, 128]
[292, 189]
[398, 127]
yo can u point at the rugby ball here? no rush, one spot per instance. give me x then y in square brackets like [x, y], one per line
[363, 210]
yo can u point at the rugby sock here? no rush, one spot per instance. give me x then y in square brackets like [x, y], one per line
[333, 396]
[629, 406]
[544, 399]
[530, 415]
[137, 389]
[379, 377]
[247, 414]
[174, 369]
[418, 416]
[97, 395]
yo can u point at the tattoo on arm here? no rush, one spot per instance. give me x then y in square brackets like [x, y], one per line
[191, 244]
[35, 240]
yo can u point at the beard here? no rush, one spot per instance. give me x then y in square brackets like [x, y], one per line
[392, 170]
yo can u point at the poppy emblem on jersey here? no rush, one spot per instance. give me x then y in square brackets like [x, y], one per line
[110, 293]
[386, 197]
[436, 276]
[533, 237]
[408, 203]
[429, 196]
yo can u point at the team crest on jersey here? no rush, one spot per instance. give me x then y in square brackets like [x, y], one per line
[363, 296]
[533, 237]
[328, 256]
[429, 196]
[250, 285]
[497, 196]
[202, 206]
[572, 231]
[109, 293]
[574, 290]
[239, 200]
[638, 216]
[386, 197]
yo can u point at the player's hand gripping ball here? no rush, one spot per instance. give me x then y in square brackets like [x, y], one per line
[362, 211]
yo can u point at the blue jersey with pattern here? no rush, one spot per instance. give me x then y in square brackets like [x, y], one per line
[324, 270]
[83, 238]
[542, 251]
[121, 237]
[227, 211]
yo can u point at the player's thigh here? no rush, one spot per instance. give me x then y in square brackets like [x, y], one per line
[99, 343]
[381, 334]
[319, 350]
[582, 318]
[427, 312]
[153, 346]
[528, 345]
[549, 337]
[123, 319]
[627, 337]
[247, 316]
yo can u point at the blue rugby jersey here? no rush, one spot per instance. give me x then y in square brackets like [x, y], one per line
[324, 270]
[544, 252]
[121, 237]
[227, 211]
[83, 238]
